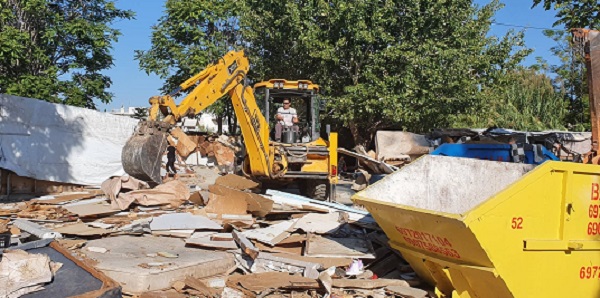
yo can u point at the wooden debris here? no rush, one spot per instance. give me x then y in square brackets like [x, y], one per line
[247, 246]
[259, 282]
[329, 247]
[237, 182]
[271, 235]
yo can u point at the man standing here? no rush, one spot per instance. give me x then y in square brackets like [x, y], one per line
[286, 116]
[171, 154]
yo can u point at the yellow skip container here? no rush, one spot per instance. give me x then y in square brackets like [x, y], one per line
[475, 228]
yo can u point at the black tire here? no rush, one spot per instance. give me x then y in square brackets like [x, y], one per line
[315, 189]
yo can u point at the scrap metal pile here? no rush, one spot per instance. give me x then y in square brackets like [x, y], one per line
[180, 238]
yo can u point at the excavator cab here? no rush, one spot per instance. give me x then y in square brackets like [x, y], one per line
[304, 97]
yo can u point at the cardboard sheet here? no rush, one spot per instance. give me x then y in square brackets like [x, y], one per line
[173, 192]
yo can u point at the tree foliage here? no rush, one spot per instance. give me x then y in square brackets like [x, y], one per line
[526, 100]
[570, 77]
[573, 13]
[411, 64]
[56, 49]
[191, 35]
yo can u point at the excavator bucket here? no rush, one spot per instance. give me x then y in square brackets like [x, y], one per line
[142, 155]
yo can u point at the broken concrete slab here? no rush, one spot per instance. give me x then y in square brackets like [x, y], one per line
[271, 235]
[125, 253]
[183, 221]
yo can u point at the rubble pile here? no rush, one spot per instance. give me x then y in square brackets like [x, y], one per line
[217, 240]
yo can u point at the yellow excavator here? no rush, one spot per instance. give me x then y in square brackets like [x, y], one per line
[301, 156]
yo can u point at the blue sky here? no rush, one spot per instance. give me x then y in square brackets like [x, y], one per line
[132, 86]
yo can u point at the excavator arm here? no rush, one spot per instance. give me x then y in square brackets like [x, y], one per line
[142, 153]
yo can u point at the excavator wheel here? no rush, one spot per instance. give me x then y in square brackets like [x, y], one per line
[315, 189]
[142, 156]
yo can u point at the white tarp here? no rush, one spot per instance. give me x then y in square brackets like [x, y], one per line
[55, 142]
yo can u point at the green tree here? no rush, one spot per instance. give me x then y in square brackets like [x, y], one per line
[525, 100]
[55, 50]
[573, 13]
[188, 37]
[570, 77]
[410, 64]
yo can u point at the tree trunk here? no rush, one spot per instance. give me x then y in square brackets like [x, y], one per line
[220, 124]
[357, 135]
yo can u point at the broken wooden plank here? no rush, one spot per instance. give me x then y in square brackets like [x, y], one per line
[258, 282]
[267, 262]
[376, 166]
[218, 242]
[329, 247]
[91, 207]
[200, 287]
[325, 262]
[62, 199]
[408, 292]
[247, 246]
[368, 283]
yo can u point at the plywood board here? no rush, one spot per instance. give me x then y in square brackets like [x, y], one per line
[82, 229]
[329, 247]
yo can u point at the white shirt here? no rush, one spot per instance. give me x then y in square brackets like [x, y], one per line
[288, 116]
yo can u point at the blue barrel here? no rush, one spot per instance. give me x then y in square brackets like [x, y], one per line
[526, 153]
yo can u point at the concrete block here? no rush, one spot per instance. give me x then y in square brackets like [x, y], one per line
[127, 259]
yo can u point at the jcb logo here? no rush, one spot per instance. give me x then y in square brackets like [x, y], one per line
[595, 193]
